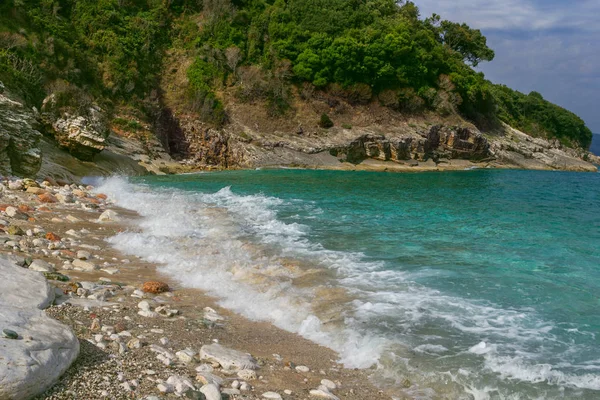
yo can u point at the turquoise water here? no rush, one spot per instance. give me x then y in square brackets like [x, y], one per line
[477, 284]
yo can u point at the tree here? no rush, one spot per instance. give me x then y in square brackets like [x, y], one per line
[469, 43]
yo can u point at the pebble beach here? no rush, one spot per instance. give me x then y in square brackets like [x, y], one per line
[140, 335]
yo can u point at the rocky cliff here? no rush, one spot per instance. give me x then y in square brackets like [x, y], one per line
[83, 140]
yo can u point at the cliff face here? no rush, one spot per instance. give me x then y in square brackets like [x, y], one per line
[20, 153]
[173, 139]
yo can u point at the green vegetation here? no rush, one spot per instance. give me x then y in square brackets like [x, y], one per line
[358, 50]
[325, 121]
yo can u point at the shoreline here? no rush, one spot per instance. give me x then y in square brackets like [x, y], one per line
[277, 352]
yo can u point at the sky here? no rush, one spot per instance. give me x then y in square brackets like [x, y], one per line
[550, 46]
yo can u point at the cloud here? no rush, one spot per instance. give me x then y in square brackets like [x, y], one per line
[521, 15]
[550, 46]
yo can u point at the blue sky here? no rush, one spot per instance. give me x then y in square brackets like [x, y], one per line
[550, 46]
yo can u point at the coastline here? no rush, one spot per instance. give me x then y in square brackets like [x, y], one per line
[106, 371]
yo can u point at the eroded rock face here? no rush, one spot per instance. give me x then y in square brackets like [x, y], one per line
[439, 142]
[82, 132]
[44, 348]
[19, 151]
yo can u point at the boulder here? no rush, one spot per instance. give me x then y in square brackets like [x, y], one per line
[80, 130]
[44, 348]
[229, 359]
[439, 141]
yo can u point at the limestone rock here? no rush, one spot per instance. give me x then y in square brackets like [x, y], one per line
[84, 265]
[109, 216]
[41, 266]
[19, 142]
[45, 348]
[229, 359]
[271, 395]
[82, 132]
[211, 392]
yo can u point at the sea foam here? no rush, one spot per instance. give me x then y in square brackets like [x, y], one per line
[236, 248]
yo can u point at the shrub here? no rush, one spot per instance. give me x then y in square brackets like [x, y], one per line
[325, 121]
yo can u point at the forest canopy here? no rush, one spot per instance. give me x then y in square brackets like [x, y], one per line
[370, 50]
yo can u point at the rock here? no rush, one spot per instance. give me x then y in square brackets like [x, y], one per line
[211, 315]
[15, 230]
[144, 305]
[328, 384]
[211, 392]
[247, 374]
[165, 311]
[165, 388]
[84, 265]
[9, 334]
[155, 287]
[186, 356]
[19, 142]
[83, 255]
[52, 237]
[134, 343]
[14, 212]
[47, 198]
[302, 368]
[180, 384]
[228, 359]
[272, 395]
[41, 266]
[73, 219]
[109, 216]
[323, 394]
[15, 185]
[31, 366]
[80, 130]
[35, 190]
[208, 378]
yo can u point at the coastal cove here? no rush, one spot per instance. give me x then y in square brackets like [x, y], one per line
[456, 284]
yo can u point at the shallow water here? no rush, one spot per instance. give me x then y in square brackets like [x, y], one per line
[479, 284]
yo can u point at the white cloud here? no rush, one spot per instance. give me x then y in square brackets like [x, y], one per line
[517, 14]
[550, 46]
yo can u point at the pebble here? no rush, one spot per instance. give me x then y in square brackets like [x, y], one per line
[328, 384]
[41, 266]
[186, 356]
[271, 395]
[302, 368]
[246, 374]
[211, 392]
[9, 334]
[83, 255]
[324, 394]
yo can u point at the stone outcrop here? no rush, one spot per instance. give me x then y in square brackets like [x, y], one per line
[438, 142]
[44, 348]
[83, 132]
[19, 142]
[517, 149]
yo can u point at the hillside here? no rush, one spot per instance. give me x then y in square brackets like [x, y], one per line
[246, 83]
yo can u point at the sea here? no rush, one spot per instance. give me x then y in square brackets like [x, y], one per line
[481, 284]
